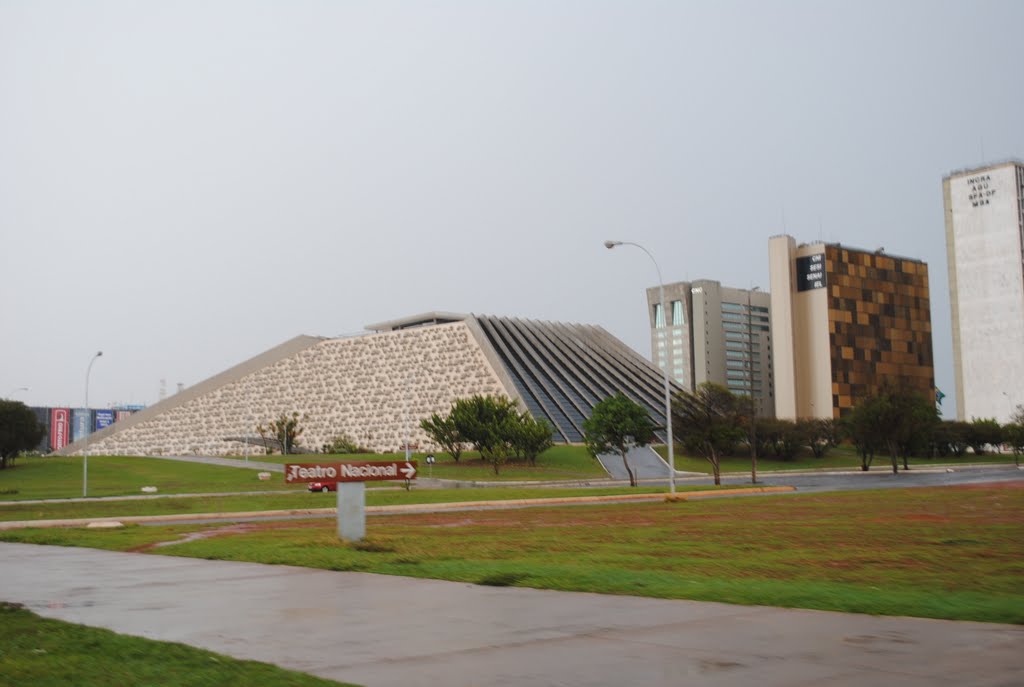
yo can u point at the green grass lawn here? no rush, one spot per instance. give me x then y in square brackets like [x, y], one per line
[42, 651]
[60, 477]
[294, 500]
[955, 552]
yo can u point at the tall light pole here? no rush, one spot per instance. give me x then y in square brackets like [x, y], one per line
[11, 393]
[668, 398]
[750, 378]
[85, 450]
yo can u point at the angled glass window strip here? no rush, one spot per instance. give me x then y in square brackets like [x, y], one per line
[677, 313]
[659, 316]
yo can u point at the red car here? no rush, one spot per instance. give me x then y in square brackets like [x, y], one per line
[323, 486]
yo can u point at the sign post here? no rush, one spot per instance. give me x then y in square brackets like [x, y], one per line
[351, 479]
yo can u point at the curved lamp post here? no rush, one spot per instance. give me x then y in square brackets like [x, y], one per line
[11, 393]
[668, 398]
[85, 450]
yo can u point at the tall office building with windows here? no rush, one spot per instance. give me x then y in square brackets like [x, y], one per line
[713, 333]
[845, 322]
[985, 248]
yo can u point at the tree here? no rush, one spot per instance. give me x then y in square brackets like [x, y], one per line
[817, 434]
[444, 433]
[531, 437]
[899, 419]
[1013, 434]
[955, 434]
[487, 422]
[19, 431]
[860, 425]
[982, 433]
[617, 424]
[285, 431]
[708, 421]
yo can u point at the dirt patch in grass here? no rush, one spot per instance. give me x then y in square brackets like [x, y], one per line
[224, 531]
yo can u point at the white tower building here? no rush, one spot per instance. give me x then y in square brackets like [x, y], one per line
[985, 247]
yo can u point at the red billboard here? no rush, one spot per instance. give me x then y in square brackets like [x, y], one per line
[60, 428]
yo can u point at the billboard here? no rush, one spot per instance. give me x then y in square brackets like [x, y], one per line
[60, 428]
[81, 423]
[103, 418]
[810, 272]
[122, 415]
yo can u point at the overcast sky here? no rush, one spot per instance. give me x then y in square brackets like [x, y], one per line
[184, 185]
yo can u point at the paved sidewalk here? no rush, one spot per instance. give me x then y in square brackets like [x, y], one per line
[378, 630]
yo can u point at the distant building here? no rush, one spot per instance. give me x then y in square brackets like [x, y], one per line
[844, 323]
[985, 248]
[713, 333]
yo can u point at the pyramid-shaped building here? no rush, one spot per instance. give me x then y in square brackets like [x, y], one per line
[374, 388]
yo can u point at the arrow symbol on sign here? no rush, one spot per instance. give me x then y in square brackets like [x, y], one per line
[409, 471]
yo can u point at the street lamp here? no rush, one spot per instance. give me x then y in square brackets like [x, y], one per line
[14, 391]
[668, 398]
[85, 450]
[750, 378]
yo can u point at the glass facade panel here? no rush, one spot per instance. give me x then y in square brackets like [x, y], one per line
[659, 316]
[677, 313]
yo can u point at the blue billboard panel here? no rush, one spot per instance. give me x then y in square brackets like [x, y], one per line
[104, 418]
[81, 423]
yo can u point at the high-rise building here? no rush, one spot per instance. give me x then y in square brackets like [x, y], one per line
[985, 248]
[844, 323]
[713, 333]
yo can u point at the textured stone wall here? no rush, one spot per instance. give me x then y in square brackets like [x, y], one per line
[364, 387]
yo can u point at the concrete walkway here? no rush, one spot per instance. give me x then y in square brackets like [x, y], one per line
[378, 630]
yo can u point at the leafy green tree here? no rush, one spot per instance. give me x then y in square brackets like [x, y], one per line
[487, 422]
[444, 433]
[860, 425]
[785, 437]
[708, 421]
[531, 437]
[955, 434]
[1013, 434]
[897, 418]
[282, 432]
[982, 433]
[818, 434]
[19, 431]
[617, 424]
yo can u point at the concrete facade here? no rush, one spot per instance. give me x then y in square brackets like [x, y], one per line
[369, 388]
[375, 388]
[846, 322]
[984, 212]
[711, 333]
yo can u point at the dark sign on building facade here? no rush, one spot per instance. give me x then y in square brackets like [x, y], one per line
[810, 272]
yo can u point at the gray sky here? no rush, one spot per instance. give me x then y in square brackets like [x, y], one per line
[184, 185]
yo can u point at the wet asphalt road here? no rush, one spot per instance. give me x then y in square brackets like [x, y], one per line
[380, 630]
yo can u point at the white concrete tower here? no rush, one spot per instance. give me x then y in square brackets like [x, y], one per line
[985, 248]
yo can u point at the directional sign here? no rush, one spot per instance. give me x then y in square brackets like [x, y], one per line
[365, 471]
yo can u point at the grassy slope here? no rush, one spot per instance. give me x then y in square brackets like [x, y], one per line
[289, 501]
[40, 651]
[953, 553]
